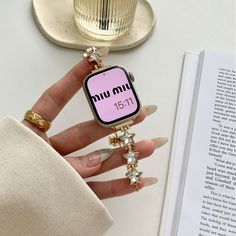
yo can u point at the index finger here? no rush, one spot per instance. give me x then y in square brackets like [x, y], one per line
[55, 98]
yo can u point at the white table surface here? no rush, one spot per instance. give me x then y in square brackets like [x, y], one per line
[29, 63]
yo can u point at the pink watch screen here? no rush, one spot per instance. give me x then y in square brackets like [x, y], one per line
[112, 95]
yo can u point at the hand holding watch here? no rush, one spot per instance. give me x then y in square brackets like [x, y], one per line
[119, 105]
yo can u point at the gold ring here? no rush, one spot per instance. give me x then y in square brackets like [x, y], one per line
[37, 120]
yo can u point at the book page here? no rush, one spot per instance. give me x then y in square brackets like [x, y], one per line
[189, 73]
[209, 196]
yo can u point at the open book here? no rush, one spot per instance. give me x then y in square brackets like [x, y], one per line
[201, 189]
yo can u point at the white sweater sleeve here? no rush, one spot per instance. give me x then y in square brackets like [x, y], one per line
[40, 193]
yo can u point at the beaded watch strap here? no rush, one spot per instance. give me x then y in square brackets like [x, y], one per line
[124, 138]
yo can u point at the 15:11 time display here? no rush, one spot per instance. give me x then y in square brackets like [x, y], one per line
[122, 104]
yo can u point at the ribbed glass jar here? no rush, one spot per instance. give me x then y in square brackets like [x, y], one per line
[104, 19]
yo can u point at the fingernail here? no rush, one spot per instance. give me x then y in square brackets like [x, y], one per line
[97, 157]
[158, 142]
[104, 51]
[150, 109]
[149, 181]
[105, 153]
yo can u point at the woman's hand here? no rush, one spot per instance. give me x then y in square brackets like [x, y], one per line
[81, 135]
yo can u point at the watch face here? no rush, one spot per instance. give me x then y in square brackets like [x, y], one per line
[111, 95]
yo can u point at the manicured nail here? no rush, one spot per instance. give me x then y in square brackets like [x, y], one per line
[105, 153]
[104, 51]
[150, 109]
[158, 142]
[149, 181]
[97, 157]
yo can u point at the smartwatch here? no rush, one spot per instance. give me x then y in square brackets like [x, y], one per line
[111, 96]
[114, 103]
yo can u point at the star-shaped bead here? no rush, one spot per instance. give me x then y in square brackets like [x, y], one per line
[131, 157]
[127, 138]
[134, 176]
[93, 54]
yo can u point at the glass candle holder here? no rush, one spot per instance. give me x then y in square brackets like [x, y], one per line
[104, 19]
